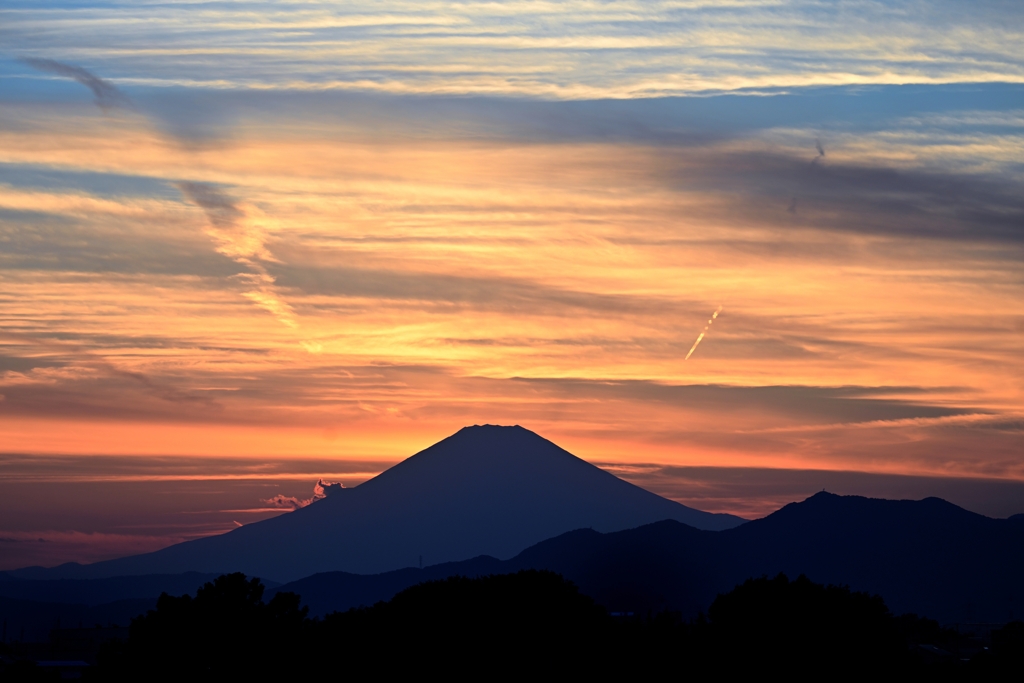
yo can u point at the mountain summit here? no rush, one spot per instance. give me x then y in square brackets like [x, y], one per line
[486, 490]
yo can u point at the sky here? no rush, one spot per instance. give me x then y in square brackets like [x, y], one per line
[247, 245]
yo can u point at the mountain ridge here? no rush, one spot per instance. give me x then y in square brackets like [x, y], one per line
[967, 571]
[484, 490]
[929, 557]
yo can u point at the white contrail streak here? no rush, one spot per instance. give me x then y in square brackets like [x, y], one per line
[702, 333]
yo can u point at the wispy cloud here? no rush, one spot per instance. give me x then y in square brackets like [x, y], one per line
[283, 502]
[242, 239]
[579, 50]
[467, 260]
[106, 94]
[55, 368]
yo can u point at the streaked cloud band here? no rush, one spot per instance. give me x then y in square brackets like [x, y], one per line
[571, 50]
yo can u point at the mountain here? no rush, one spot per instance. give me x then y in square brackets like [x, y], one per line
[928, 557]
[486, 490]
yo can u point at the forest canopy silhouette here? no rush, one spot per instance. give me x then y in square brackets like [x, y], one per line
[536, 621]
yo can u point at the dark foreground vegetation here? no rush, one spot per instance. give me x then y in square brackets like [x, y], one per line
[535, 622]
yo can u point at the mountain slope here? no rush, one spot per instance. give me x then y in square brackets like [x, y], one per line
[929, 557]
[486, 490]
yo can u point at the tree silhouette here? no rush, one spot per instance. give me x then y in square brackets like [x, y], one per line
[225, 632]
[802, 627]
[537, 623]
[499, 624]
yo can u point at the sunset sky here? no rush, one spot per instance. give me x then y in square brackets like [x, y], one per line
[244, 245]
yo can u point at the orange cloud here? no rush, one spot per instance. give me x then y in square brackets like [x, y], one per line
[446, 282]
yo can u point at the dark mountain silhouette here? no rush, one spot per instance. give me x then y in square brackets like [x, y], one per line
[927, 557]
[485, 490]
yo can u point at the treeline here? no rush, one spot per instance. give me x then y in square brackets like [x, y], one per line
[535, 622]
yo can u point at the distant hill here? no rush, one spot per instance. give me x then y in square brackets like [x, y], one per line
[928, 557]
[485, 490]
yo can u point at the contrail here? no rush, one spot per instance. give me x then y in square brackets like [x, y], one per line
[702, 333]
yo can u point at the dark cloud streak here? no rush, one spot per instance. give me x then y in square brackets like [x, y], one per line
[500, 293]
[106, 94]
[55, 243]
[917, 203]
[222, 211]
[21, 397]
[809, 404]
